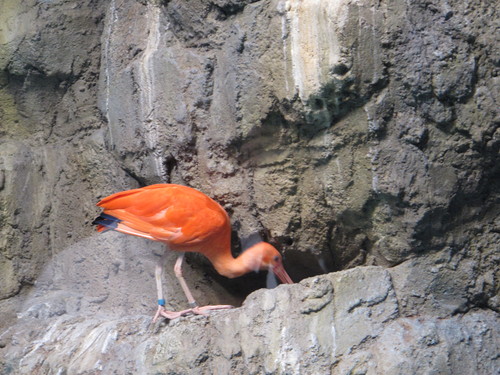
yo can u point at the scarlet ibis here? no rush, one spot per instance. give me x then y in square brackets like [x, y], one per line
[185, 220]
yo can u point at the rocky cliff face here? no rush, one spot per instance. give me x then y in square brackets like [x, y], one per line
[350, 133]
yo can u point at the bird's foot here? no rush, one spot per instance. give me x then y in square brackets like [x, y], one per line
[203, 310]
[198, 310]
[169, 314]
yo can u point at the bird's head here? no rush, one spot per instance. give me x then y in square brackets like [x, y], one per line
[268, 258]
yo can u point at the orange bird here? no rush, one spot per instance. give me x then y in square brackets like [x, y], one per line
[184, 219]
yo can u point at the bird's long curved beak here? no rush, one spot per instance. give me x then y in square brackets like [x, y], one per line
[280, 272]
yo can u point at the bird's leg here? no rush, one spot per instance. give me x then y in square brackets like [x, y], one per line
[159, 288]
[182, 281]
[161, 301]
[195, 309]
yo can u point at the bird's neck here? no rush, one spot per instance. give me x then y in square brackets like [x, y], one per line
[231, 267]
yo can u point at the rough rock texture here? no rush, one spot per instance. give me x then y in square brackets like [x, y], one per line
[349, 322]
[347, 132]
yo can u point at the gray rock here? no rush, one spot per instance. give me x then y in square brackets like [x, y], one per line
[345, 322]
[348, 133]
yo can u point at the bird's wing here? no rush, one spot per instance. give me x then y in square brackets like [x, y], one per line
[170, 213]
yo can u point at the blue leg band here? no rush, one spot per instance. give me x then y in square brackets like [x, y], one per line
[161, 302]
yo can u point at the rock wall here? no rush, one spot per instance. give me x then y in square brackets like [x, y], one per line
[347, 132]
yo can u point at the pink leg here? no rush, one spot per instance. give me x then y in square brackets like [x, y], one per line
[182, 281]
[195, 309]
[161, 301]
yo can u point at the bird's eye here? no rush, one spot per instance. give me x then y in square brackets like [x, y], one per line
[276, 258]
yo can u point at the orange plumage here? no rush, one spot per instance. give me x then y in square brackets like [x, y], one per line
[178, 215]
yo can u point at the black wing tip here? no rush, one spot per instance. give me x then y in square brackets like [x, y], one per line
[107, 221]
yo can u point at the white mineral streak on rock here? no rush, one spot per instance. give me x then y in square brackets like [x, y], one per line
[283, 7]
[314, 46]
[373, 156]
[334, 341]
[147, 78]
[88, 343]
[111, 20]
[288, 356]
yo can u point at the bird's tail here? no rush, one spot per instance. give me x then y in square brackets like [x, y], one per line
[106, 222]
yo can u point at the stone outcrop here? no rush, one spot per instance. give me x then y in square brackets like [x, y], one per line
[350, 133]
[346, 322]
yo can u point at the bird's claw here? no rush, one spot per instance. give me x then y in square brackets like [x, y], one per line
[169, 314]
[198, 310]
[203, 310]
